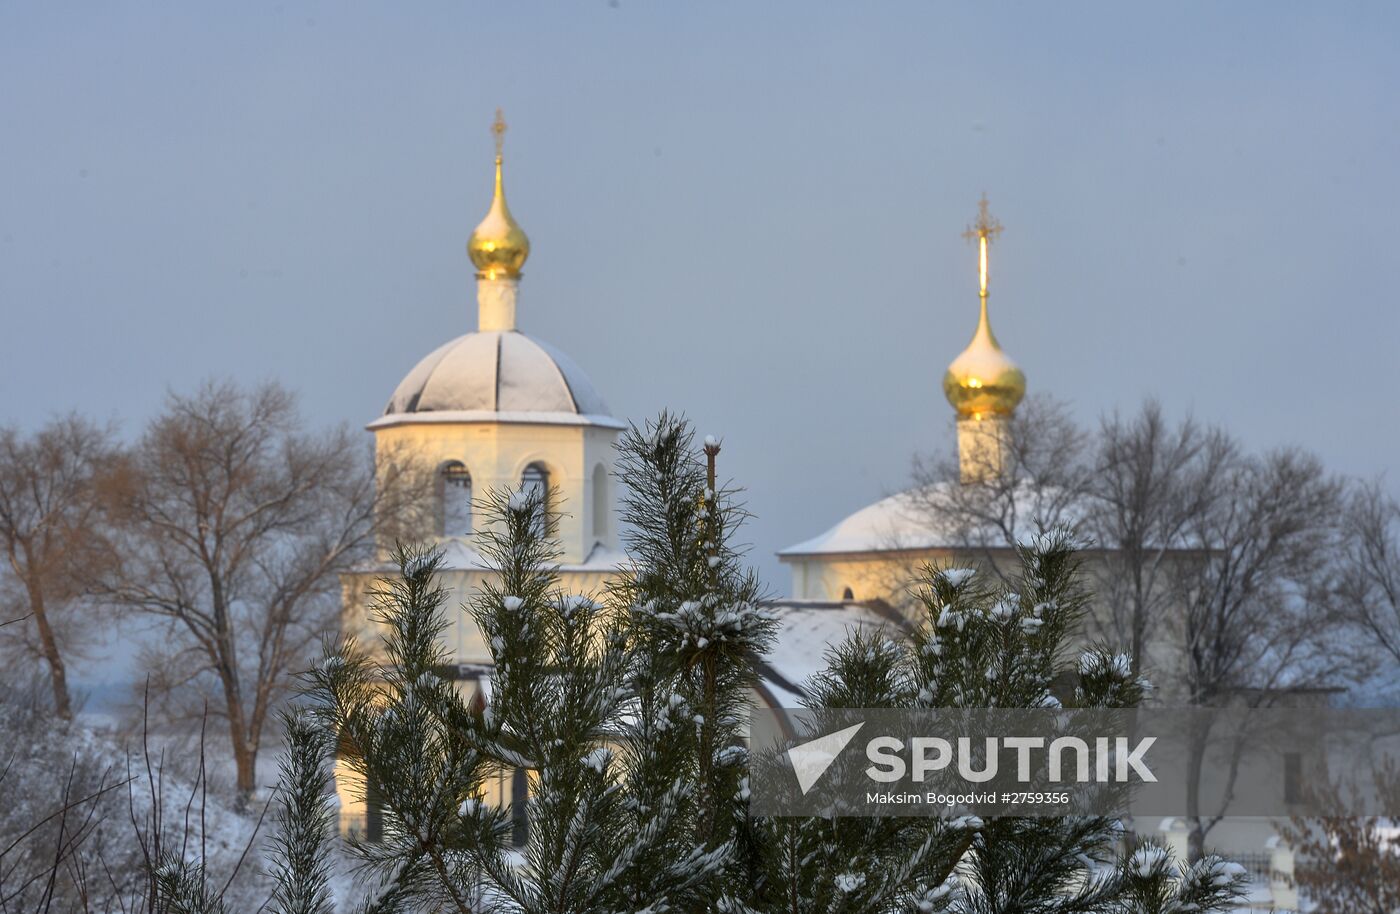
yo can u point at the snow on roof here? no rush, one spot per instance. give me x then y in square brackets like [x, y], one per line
[496, 372]
[911, 520]
[891, 523]
[457, 555]
[467, 416]
[806, 630]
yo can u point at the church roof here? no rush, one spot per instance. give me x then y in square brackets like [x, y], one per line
[457, 555]
[497, 376]
[890, 523]
[917, 519]
[807, 629]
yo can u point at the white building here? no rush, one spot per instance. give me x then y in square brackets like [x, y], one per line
[492, 409]
[496, 408]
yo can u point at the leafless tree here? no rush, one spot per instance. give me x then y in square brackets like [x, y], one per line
[1151, 479]
[1217, 569]
[1042, 482]
[1252, 593]
[50, 531]
[1369, 582]
[235, 521]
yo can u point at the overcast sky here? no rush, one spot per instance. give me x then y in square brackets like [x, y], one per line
[750, 212]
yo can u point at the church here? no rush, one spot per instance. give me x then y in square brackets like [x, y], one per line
[869, 554]
[496, 408]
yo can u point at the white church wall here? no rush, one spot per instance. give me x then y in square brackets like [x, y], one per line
[497, 454]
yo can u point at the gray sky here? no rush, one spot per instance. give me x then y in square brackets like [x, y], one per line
[748, 212]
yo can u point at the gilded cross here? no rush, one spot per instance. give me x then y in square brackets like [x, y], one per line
[983, 231]
[499, 129]
[986, 225]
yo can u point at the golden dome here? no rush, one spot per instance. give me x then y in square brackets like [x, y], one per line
[498, 247]
[983, 380]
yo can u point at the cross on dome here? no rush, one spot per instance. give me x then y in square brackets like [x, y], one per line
[498, 127]
[983, 231]
[499, 246]
[983, 381]
[986, 225]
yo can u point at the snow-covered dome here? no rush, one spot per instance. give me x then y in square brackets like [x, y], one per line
[892, 523]
[927, 518]
[498, 372]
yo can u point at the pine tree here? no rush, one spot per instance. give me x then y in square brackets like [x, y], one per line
[600, 839]
[413, 740]
[694, 627]
[982, 645]
[299, 860]
[629, 717]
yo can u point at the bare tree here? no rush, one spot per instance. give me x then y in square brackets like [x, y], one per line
[1042, 482]
[1218, 569]
[235, 522]
[49, 529]
[1151, 480]
[1369, 583]
[1252, 593]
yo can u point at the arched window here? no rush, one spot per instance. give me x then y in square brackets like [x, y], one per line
[519, 807]
[600, 502]
[374, 812]
[534, 480]
[456, 487]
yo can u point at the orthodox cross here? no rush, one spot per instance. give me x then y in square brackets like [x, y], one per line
[983, 230]
[498, 127]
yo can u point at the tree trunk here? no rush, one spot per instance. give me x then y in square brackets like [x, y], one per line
[1196, 839]
[245, 749]
[245, 759]
[1195, 842]
[58, 675]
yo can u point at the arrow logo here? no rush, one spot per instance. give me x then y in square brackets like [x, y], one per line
[811, 759]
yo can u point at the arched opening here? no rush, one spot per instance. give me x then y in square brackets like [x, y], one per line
[848, 594]
[519, 807]
[455, 498]
[374, 813]
[600, 502]
[535, 483]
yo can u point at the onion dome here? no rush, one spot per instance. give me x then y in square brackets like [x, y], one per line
[983, 381]
[498, 247]
[497, 374]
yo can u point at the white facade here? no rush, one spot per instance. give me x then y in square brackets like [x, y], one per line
[488, 411]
